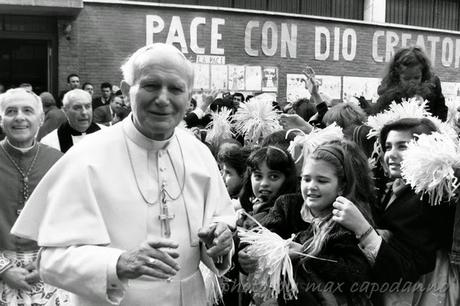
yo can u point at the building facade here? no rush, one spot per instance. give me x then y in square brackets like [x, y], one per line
[245, 46]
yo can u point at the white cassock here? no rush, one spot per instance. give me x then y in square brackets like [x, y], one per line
[103, 197]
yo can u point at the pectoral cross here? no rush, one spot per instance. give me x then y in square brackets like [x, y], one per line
[164, 216]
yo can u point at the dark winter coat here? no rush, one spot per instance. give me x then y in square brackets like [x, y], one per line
[417, 231]
[430, 90]
[349, 267]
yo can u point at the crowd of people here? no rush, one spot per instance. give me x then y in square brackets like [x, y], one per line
[149, 208]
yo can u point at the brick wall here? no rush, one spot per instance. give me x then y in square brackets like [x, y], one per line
[104, 35]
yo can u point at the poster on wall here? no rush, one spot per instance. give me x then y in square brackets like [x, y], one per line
[254, 78]
[269, 79]
[451, 90]
[357, 86]
[201, 76]
[330, 86]
[235, 77]
[219, 77]
[295, 87]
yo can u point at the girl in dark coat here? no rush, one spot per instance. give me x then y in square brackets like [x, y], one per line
[410, 74]
[328, 263]
[270, 173]
[409, 230]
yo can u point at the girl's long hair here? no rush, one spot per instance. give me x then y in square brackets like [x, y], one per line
[355, 181]
[405, 58]
[276, 159]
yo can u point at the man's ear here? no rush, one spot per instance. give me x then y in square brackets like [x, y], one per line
[125, 87]
[42, 119]
[64, 110]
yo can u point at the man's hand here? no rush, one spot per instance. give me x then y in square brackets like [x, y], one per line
[153, 258]
[247, 262]
[218, 239]
[33, 276]
[16, 278]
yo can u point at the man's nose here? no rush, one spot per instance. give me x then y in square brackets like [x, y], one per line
[85, 110]
[20, 115]
[163, 96]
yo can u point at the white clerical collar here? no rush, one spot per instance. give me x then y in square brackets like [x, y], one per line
[23, 150]
[141, 140]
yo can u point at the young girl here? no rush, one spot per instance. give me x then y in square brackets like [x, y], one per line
[270, 173]
[410, 231]
[232, 160]
[410, 74]
[334, 172]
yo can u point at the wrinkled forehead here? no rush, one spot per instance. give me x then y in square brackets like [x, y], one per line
[79, 100]
[19, 98]
[165, 59]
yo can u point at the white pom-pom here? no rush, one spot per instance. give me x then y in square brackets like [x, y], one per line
[428, 166]
[452, 110]
[211, 283]
[274, 274]
[256, 119]
[304, 144]
[445, 128]
[220, 127]
[411, 108]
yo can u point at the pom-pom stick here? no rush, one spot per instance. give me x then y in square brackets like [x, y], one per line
[428, 165]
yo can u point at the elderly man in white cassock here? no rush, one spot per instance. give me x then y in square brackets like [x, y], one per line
[126, 217]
